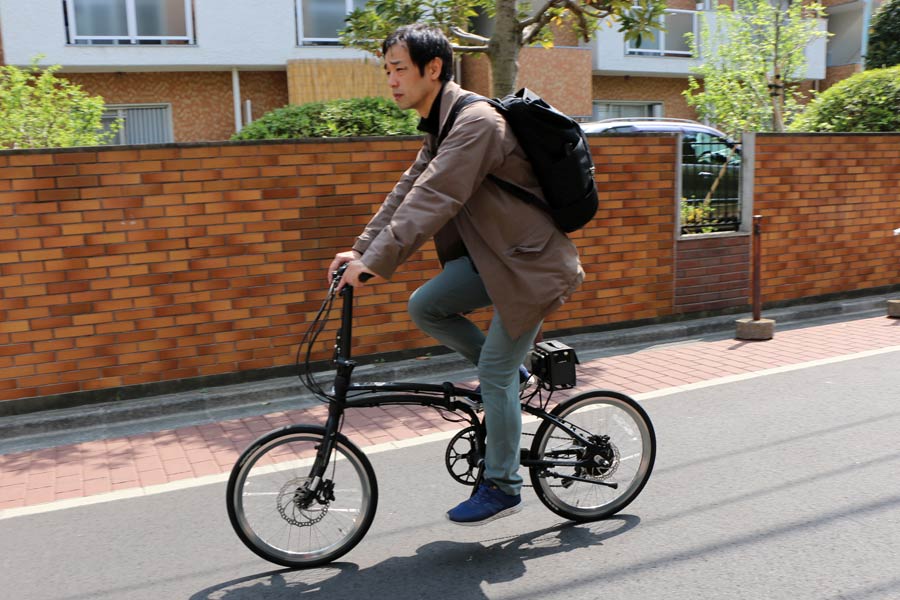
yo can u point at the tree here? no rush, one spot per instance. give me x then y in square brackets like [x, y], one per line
[884, 39]
[40, 110]
[515, 25]
[864, 102]
[752, 64]
[335, 118]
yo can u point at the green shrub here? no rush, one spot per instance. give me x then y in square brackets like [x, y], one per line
[334, 118]
[884, 37]
[40, 110]
[867, 101]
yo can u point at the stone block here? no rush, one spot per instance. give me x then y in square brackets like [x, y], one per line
[894, 308]
[748, 329]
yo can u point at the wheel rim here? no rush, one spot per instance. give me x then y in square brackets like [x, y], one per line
[278, 519]
[630, 457]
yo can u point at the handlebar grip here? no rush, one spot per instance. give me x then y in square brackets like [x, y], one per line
[364, 277]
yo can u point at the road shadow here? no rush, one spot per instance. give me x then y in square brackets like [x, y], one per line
[440, 569]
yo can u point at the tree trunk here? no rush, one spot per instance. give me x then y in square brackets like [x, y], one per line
[504, 48]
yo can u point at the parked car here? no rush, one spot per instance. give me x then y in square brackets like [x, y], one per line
[707, 155]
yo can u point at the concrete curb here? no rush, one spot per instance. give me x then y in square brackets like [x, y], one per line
[156, 413]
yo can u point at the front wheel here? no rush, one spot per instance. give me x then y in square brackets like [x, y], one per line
[281, 518]
[594, 480]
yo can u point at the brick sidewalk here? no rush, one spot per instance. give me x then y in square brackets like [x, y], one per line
[97, 467]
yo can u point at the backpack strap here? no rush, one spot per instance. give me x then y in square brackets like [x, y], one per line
[510, 188]
[460, 104]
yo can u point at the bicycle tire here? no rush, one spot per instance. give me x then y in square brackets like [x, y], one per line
[275, 467]
[630, 432]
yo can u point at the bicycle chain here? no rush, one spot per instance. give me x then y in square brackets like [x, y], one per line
[606, 475]
[292, 488]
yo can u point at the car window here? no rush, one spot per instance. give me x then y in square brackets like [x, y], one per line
[713, 150]
[689, 148]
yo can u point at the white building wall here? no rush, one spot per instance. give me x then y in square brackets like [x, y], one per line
[229, 33]
[610, 57]
[817, 53]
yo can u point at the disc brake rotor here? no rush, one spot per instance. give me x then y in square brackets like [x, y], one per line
[299, 506]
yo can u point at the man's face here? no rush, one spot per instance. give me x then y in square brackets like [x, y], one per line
[410, 88]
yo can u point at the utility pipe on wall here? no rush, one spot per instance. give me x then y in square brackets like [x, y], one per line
[864, 42]
[236, 93]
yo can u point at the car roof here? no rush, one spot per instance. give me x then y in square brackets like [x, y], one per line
[648, 124]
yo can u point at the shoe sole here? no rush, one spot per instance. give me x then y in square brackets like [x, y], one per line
[503, 513]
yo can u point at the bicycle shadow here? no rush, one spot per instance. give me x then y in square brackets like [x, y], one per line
[440, 569]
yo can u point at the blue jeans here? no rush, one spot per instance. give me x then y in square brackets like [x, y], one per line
[437, 308]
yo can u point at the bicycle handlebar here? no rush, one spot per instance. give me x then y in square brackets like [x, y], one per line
[363, 277]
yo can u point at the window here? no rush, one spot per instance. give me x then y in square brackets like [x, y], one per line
[123, 22]
[618, 110]
[140, 124]
[668, 40]
[318, 21]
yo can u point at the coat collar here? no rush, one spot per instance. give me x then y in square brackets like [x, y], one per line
[449, 95]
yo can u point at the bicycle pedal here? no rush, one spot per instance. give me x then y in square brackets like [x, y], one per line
[473, 404]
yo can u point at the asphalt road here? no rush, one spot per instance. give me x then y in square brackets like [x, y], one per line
[782, 486]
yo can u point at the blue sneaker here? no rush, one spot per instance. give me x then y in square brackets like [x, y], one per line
[488, 504]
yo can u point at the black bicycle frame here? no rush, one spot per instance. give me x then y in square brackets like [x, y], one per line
[443, 396]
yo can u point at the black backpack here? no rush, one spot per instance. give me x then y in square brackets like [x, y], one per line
[558, 151]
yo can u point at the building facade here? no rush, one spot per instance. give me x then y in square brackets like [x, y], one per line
[195, 70]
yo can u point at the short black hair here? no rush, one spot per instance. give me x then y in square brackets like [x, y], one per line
[425, 43]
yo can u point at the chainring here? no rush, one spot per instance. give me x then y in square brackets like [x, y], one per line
[462, 458]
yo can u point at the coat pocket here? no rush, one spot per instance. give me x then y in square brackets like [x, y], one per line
[534, 244]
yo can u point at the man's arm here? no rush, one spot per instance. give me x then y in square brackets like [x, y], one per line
[475, 146]
[377, 223]
[393, 200]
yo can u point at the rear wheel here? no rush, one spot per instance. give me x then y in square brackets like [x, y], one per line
[276, 514]
[620, 453]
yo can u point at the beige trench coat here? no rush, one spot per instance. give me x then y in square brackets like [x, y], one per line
[529, 267]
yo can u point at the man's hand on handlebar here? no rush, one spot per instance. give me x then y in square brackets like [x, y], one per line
[355, 272]
[355, 275]
[339, 259]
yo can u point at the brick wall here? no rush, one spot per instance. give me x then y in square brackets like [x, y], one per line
[561, 75]
[830, 204]
[649, 89]
[202, 102]
[128, 266]
[203, 263]
[713, 273]
[835, 74]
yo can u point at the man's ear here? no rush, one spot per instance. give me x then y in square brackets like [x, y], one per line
[435, 67]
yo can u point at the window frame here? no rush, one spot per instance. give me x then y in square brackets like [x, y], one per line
[656, 107]
[311, 41]
[132, 38]
[662, 52]
[120, 107]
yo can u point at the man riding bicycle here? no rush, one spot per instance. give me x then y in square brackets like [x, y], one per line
[495, 249]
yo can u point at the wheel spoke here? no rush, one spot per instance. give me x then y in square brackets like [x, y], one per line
[621, 451]
[276, 518]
